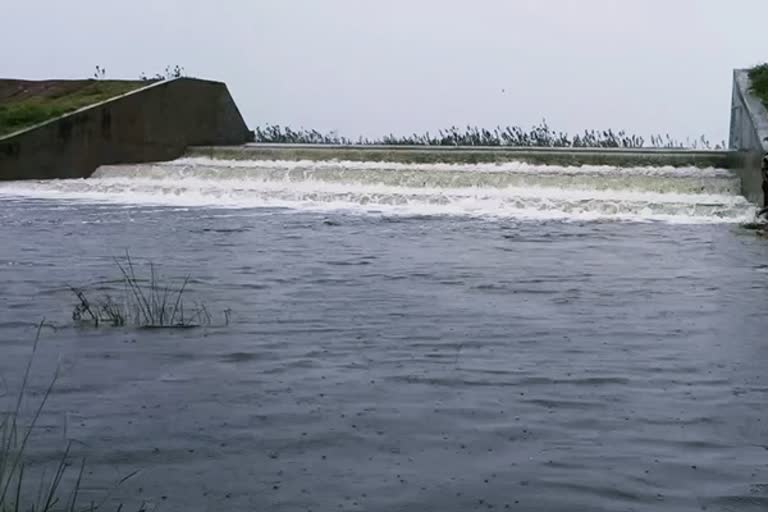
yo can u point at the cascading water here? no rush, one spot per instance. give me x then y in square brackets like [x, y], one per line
[514, 189]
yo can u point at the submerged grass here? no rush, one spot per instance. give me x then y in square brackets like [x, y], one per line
[48, 104]
[538, 136]
[54, 494]
[146, 303]
[759, 77]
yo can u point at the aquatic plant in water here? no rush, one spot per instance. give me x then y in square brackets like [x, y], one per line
[146, 303]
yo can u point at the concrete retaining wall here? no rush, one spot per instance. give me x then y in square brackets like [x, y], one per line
[749, 137]
[157, 122]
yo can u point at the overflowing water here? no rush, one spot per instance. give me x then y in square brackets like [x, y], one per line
[511, 190]
[403, 337]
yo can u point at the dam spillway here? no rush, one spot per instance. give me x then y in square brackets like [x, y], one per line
[513, 189]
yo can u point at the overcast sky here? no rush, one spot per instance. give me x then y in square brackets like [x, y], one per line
[374, 67]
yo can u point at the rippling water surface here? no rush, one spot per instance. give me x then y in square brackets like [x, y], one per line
[478, 342]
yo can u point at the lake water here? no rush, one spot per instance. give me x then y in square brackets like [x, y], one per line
[402, 338]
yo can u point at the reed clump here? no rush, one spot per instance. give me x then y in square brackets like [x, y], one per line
[146, 302]
[539, 136]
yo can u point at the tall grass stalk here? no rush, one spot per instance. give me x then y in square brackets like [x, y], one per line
[512, 136]
[54, 494]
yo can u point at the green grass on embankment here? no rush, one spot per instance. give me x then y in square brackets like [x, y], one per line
[759, 77]
[26, 103]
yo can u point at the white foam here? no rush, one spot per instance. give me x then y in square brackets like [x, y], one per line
[545, 192]
[501, 167]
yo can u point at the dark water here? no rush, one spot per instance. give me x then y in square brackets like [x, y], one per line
[401, 364]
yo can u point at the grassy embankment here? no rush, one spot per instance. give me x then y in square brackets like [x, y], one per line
[759, 77]
[26, 103]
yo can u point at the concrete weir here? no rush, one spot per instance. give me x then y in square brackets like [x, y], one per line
[185, 116]
[471, 154]
[153, 123]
